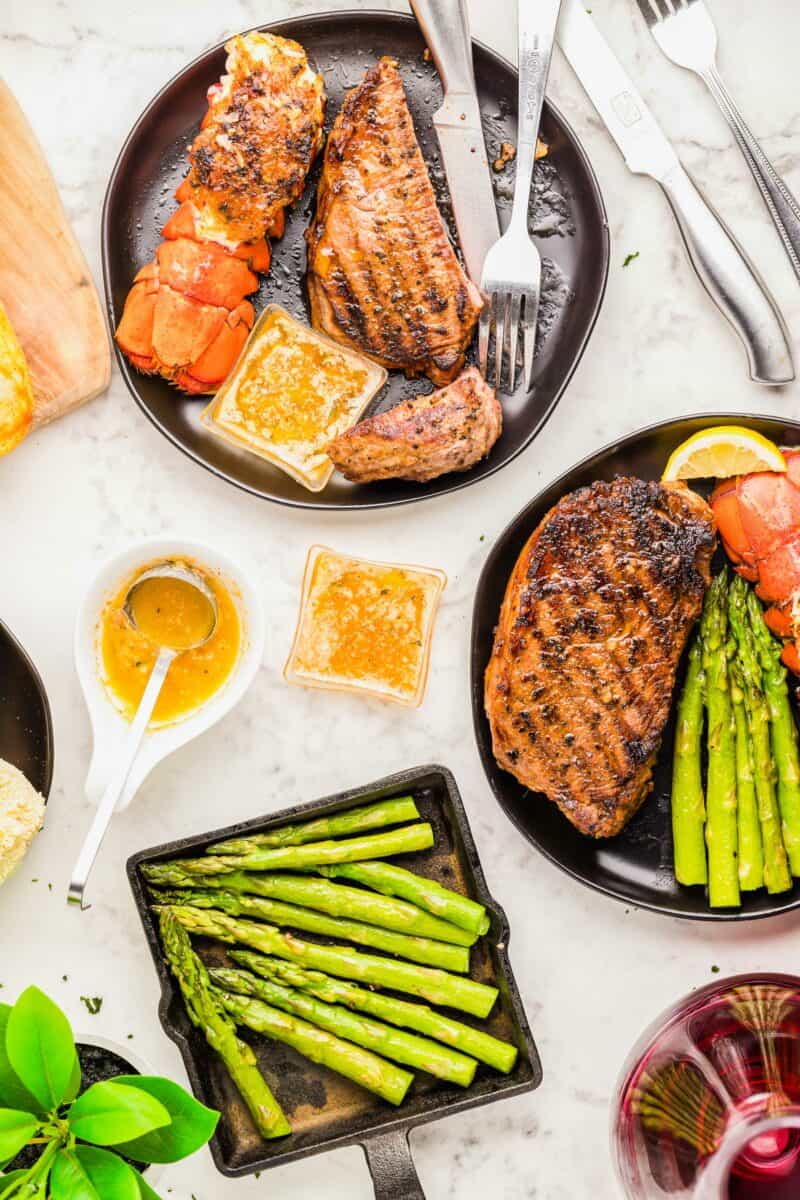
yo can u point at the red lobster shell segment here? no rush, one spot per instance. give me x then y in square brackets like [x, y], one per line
[187, 315]
[758, 517]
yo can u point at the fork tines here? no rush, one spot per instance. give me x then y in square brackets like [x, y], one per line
[506, 311]
[655, 11]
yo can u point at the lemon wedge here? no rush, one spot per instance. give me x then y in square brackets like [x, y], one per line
[723, 451]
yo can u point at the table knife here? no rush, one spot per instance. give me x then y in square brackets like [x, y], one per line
[721, 265]
[445, 27]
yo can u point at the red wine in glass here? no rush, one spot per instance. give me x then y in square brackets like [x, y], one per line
[709, 1103]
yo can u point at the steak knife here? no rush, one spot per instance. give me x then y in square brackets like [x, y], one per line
[721, 265]
[445, 27]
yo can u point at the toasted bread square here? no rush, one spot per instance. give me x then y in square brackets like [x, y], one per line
[290, 393]
[365, 626]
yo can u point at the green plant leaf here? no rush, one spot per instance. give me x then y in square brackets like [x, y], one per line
[87, 1173]
[12, 1092]
[74, 1085]
[15, 1130]
[30, 1183]
[145, 1191]
[110, 1112]
[40, 1047]
[12, 1177]
[191, 1124]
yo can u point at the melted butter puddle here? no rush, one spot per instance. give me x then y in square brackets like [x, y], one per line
[168, 612]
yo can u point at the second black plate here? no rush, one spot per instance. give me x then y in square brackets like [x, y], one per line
[567, 214]
[26, 727]
[635, 866]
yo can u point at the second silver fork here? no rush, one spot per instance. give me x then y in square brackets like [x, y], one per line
[685, 31]
[512, 269]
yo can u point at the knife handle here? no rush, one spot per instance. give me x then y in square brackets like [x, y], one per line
[731, 281]
[445, 27]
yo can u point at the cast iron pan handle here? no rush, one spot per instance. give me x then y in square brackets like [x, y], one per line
[391, 1167]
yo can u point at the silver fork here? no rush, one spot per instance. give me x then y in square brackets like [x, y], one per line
[512, 269]
[685, 31]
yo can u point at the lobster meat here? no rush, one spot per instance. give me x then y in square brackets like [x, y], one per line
[187, 315]
[758, 517]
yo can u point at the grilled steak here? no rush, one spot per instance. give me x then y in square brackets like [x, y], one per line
[595, 617]
[424, 437]
[382, 274]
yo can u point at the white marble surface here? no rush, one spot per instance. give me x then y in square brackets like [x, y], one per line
[592, 972]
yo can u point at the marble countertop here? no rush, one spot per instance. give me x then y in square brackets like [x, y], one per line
[593, 972]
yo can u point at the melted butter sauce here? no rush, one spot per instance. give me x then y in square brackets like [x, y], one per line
[366, 623]
[128, 656]
[171, 612]
[294, 386]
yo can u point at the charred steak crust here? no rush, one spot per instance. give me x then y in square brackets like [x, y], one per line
[594, 621]
[382, 274]
[424, 437]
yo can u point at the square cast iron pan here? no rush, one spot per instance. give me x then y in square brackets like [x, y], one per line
[327, 1111]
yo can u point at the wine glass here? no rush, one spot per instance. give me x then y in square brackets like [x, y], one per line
[708, 1105]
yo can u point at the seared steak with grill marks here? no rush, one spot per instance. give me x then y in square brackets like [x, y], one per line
[595, 617]
[424, 437]
[382, 274]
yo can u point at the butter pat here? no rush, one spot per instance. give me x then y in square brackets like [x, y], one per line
[21, 817]
[290, 393]
[365, 626]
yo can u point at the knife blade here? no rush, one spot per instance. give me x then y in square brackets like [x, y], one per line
[459, 131]
[728, 276]
[625, 115]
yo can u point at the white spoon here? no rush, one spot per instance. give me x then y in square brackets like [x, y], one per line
[132, 742]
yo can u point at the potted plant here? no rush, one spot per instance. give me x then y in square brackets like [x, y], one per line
[76, 1131]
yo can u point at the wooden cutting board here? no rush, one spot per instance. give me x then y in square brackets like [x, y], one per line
[45, 284]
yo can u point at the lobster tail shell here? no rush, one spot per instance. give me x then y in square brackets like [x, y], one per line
[187, 316]
[758, 517]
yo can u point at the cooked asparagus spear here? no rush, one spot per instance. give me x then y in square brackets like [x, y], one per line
[362, 1066]
[355, 820]
[435, 986]
[422, 950]
[293, 858]
[396, 881]
[721, 825]
[776, 867]
[406, 1048]
[208, 1015]
[783, 731]
[476, 1043]
[336, 899]
[751, 852]
[688, 802]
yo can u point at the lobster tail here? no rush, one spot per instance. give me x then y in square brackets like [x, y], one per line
[758, 517]
[187, 315]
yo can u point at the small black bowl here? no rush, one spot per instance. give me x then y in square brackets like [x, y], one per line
[635, 866]
[26, 726]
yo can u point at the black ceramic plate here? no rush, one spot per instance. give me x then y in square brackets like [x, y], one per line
[325, 1110]
[26, 729]
[636, 866]
[567, 213]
